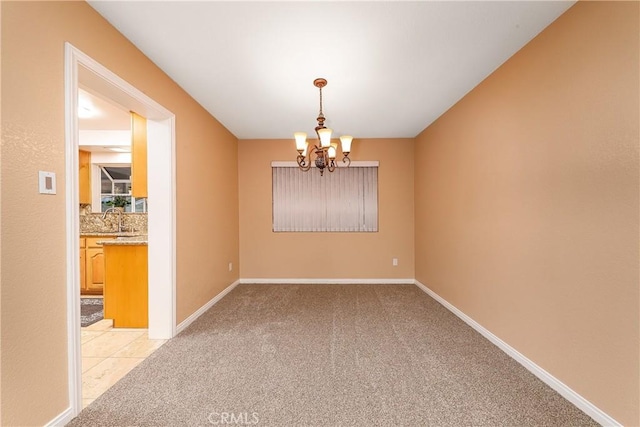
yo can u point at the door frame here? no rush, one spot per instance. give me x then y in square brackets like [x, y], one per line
[82, 69]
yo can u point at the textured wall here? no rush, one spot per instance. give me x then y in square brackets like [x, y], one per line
[266, 254]
[527, 204]
[33, 317]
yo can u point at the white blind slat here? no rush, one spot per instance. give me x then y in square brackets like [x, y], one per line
[345, 200]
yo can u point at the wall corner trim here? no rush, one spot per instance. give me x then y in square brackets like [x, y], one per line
[62, 419]
[565, 391]
[199, 312]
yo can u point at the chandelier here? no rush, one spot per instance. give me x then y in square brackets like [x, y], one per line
[326, 151]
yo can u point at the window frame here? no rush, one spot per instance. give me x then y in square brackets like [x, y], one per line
[102, 169]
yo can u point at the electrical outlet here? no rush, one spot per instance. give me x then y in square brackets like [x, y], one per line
[395, 262]
[230, 266]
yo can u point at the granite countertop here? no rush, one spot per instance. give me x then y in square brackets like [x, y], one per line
[130, 240]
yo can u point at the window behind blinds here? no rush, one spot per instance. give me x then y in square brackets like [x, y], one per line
[344, 200]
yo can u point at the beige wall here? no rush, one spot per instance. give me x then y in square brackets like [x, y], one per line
[271, 255]
[527, 204]
[33, 317]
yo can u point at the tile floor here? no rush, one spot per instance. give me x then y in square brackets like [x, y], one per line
[108, 354]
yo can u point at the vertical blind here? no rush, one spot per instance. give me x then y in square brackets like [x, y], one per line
[344, 200]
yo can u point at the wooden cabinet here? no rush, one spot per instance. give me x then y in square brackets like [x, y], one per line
[84, 159]
[126, 292]
[83, 275]
[138, 156]
[94, 270]
[92, 265]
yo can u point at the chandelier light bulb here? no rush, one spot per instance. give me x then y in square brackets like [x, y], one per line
[346, 140]
[301, 140]
[325, 137]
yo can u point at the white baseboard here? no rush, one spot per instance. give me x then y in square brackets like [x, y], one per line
[329, 281]
[189, 320]
[565, 391]
[65, 417]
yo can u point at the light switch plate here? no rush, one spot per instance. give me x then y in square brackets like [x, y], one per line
[47, 182]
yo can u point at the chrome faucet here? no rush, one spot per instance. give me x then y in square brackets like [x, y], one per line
[119, 212]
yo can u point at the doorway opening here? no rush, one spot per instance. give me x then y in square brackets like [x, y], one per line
[80, 69]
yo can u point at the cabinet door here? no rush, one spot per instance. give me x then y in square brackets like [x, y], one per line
[138, 155]
[84, 159]
[83, 271]
[95, 270]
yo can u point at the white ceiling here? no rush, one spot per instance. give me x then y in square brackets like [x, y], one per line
[104, 126]
[393, 67]
[104, 114]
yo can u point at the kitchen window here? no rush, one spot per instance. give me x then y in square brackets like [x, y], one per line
[115, 190]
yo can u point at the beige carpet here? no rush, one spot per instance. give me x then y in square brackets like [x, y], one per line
[329, 355]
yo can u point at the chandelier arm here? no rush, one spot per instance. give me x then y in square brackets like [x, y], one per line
[346, 160]
[331, 166]
[303, 164]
